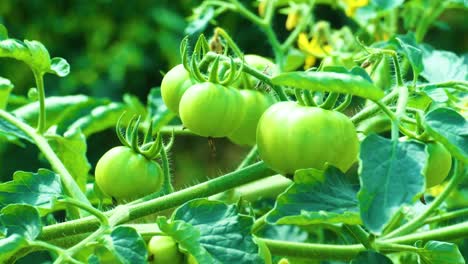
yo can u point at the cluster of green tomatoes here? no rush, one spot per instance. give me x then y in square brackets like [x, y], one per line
[289, 136]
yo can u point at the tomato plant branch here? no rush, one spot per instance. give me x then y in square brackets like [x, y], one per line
[41, 123]
[66, 178]
[360, 234]
[372, 109]
[98, 214]
[447, 233]
[249, 158]
[459, 85]
[233, 179]
[419, 220]
[447, 216]
[177, 130]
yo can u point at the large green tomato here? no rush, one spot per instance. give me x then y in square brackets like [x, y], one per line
[164, 249]
[292, 137]
[255, 105]
[211, 110]
[438, 165]
[124, 174]
[173, 86]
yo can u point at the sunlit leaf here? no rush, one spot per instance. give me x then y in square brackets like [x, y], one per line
[212, 232]
[21, 219]
[451, 129]
[330, 82]
[391, 176]
[37, 189]
[71, 150]
[317, 197]
[436, 252]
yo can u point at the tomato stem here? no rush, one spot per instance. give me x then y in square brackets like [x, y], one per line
[41, 123]
[228, 181]
[360, 234]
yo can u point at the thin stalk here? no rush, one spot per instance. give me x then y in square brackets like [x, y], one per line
[177, 130]
[41, 122]
[251, 156]
[372, 109]
[447, 233]
[249, 174]
[447, 216]
[360, 234]
[418, 221]
[97, 213]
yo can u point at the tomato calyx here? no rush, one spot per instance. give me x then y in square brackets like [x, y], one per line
[150, 148]
[207, 66]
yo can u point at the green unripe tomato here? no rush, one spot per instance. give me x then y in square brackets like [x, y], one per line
[292, 137]
[173, 86]
[438, 165]
[255, 105]
[164, 249]
[211, 110]
[124, 174]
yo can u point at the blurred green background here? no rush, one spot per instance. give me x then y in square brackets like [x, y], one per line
[118, 47]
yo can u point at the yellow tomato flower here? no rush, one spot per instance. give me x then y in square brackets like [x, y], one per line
[312, 49]
[293, 19]
[353, 5]
[261, 7]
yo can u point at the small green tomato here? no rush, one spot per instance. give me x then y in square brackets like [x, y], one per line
[124, 174]
[164, 249]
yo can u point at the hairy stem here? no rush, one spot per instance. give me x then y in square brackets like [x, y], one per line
[251, 173]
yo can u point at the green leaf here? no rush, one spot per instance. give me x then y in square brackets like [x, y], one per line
[21, 219]
[391, 175]
[60, 110]
[436, 252]
[98, 119]
[449, 128]
[199, 21]
[12, 132]
[409, 48]
[5, 88]
[40, 58]
[71, 150]
[370, 257]
[317, 197]
[158, 111]
[59, 67]
[330, 82]
[127, 245]
[37, 189]
[212, 232]
[10, 245]
[3, 32]
[15, 49]
[442, 66]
